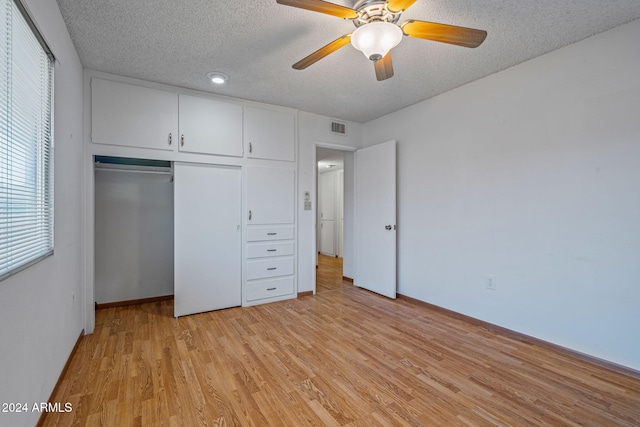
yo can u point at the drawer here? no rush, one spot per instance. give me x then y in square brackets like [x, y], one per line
[269, 268]
[256, 234]
[269, 288]
[263, 250]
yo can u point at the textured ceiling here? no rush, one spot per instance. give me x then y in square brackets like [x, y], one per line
[255, 42]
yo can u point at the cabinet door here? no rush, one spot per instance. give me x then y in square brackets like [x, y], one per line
[124, 114]
[270, 195]
[207, 241]
[210, 127]
[269, 134]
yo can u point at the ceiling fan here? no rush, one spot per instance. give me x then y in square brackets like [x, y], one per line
[377, 31]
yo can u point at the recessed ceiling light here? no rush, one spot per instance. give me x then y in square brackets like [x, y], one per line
[217, 77]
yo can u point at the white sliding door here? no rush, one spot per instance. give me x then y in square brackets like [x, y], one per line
[207, 238]
[375, 218]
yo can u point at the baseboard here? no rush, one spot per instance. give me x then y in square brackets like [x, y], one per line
[347, 279]
[133, 301]
[62, 374]
[614, 367]
[305, 294]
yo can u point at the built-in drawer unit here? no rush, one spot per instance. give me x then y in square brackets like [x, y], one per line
[256, 234]
[262, 269]
[260, 289]
[263, 250]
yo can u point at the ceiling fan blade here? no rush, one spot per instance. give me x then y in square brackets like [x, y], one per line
[322, 52]
[322, 7]
[461, 36]
[399, 5]
[384, 67]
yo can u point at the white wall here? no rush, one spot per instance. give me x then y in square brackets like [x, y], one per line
[39, 322]
[532, 175]
[314, 129]
[133, 235]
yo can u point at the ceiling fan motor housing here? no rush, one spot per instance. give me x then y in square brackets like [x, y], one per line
[374, 11]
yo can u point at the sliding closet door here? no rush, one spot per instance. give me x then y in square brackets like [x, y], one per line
[207, 238]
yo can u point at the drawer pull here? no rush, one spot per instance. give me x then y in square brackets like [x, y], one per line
[271, 250]
[272, 234]
[271, 289]
[271, 268]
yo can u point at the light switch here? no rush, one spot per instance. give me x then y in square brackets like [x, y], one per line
[307, 201]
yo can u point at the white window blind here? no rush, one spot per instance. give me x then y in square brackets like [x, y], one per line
[26, 142]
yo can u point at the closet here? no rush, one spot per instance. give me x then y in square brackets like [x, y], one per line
[229, 223]
[133, 229]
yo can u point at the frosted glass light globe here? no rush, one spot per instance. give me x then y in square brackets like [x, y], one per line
[376, 39]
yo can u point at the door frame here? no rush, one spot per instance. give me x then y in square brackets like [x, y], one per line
[314, 206]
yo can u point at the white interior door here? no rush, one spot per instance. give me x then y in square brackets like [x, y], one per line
[327, 233]
[327, 208]
[375, 218]
[207, 242]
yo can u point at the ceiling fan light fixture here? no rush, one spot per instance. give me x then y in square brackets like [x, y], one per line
[376, 39]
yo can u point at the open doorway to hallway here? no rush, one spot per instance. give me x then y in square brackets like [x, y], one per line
[334, 218]
[330, 218]
[330, 193]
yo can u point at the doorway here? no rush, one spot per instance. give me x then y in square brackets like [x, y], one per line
[375, 210]
[330, 193]
[334, 225]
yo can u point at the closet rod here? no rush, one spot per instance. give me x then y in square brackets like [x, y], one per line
[157, 172]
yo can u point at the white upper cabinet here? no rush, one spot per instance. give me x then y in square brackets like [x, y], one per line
[269, 134]
[210, 127]
[270, 195]
[124, 114]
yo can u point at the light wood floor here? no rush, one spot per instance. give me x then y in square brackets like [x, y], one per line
[329, 277]
[343, 357]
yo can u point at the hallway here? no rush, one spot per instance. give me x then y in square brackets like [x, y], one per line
[329, 274]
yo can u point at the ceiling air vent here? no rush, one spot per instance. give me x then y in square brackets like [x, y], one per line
[339, 128]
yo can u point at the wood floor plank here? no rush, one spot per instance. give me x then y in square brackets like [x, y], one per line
[344, 357]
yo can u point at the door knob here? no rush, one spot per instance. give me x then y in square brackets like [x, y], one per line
[388, 227]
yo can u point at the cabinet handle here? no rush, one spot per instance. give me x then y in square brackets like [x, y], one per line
[250, 215]
[170, 138]
[182, 140]
[271, 234]
[271, 289]
[271, 250]
[272, 268]
[250, 148]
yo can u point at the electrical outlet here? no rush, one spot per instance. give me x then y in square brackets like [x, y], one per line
[491, 282]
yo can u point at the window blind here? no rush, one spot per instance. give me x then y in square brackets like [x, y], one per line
[26, 142]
